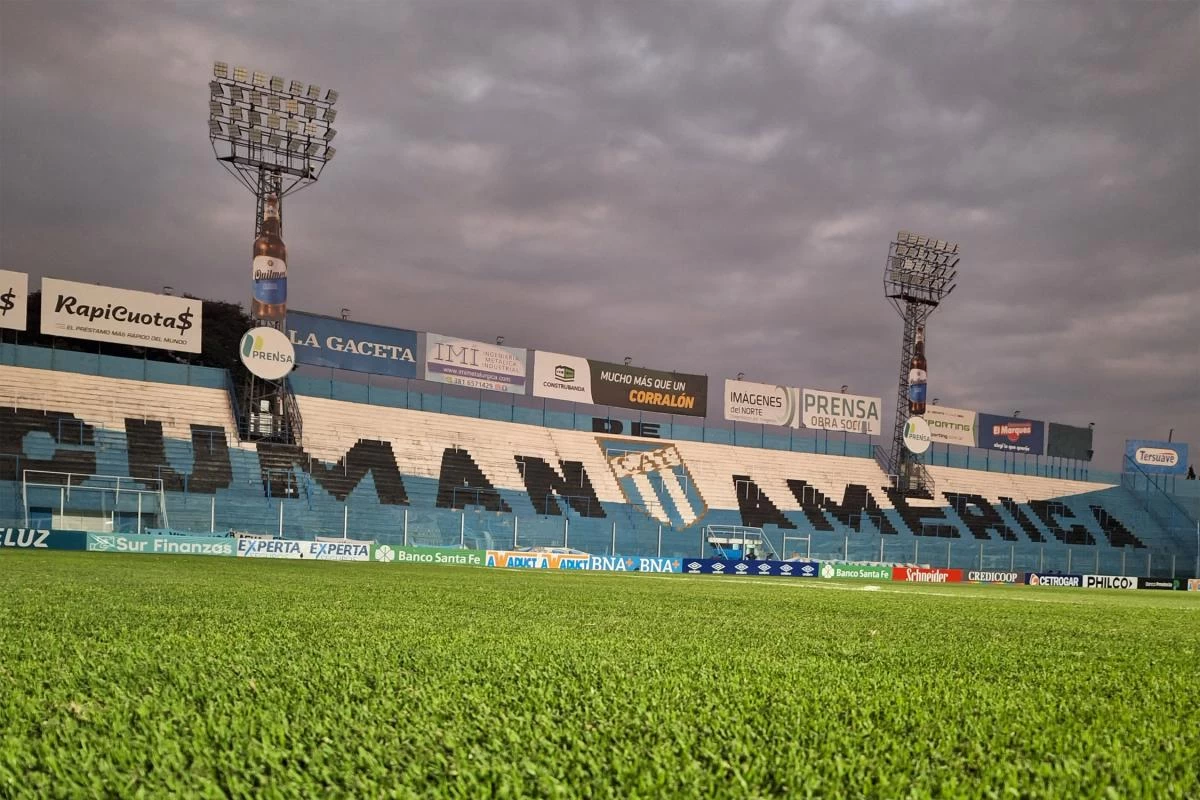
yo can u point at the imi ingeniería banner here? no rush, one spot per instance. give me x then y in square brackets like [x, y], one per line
[601, 383]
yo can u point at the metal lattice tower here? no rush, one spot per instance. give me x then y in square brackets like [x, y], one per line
[918, 276]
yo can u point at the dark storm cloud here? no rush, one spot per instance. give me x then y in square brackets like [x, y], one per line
[707, 187]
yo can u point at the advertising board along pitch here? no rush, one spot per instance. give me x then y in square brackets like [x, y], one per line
[1109, 582]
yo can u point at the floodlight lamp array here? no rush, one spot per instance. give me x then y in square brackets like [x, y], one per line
[254, 123]
[920, 269]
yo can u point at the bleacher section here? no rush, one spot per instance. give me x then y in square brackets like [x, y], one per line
[397, 475]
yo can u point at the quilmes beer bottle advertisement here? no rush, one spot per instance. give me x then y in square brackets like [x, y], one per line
[270, 266]
[918, 376]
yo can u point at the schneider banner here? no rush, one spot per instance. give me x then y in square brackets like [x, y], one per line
[477, 365]
[952, 425]
[14, 299]
[763, 403]
[1012, 435]
[168, 545]
[121, 316]
[356, 346]
[835, 411]
[1157, 458]
[927, 575]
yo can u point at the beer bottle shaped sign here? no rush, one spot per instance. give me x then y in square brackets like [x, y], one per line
[918, 376]
[270, 267]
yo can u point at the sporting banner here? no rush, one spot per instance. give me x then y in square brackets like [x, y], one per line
[927, 575]
[952, 425]
[562, 377]
[355, 346]
[649, 389]
[1156, 458]
[1026, 436]
[835, 411]
[476, 365]
[120, 316]
[1067, 441]
[762, 403]
[1046, 579]
[874, 572]
[1109, 582]
[167, 545]
[42, 539]
[442, 556]
[760, 568]
[14, 299]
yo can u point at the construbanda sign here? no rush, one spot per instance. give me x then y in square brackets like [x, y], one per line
[835, 411]
[952, 425]
[1026, 436]
[167, 545]
[14, 299]
[355, 346]
[581, 380]
[562, 377]
[476, 365]
[763, 403]
[120, 316]
[1157, 458]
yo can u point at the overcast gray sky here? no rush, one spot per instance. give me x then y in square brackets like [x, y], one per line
[705, 186]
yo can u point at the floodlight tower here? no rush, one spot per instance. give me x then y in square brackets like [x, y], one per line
[275, 140]
[918, 276]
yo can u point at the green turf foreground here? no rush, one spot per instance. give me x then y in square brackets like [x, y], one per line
[126, 676]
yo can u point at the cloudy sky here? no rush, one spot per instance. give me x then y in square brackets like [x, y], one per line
[705, 186]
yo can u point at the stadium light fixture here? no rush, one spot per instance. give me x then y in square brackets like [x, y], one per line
[741, 376]
[331, 96]
[314, 91]
[220, 70]
[499, 340]
[330, 152]
[844, 388]
[628, 360]
[330, 133]
[345, 313]
[1016, 413]
[276, 83]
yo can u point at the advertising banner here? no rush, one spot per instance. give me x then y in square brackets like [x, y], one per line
[14, 299]
[835, 411]
[42, 539]
[120, 316]
[1067, 441]
[476, 365]
[355, 346]
[649, 389]
[874, 572]
[1046, 579]
[952, 425]
[927, 575]
[1109, 582]
[317, 551]
[762, 403]
[763, 568]
[444, 556]
[528, 559]
[562, 377]
[267, 353]
[1170, 584]
[988, 576]
[1157, 458]
[1012, 435]
[1193, 585]
[169, 545]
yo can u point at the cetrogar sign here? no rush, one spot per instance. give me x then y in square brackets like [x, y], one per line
[120, 316]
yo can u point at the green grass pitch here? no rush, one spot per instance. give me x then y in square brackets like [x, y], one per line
[153, 676]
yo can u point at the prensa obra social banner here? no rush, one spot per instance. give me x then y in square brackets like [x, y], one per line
[121, 316]
[762, 403]
[835, 411]
[356, 346]
[477, 365]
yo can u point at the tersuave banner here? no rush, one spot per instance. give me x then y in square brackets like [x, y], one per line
[1026, 436]
[356, 346]
[841, 412]
[14, 296]
[952, 425]
[121, 316]
[581, 380]
[1156, 458]
[762, 403]
[476, 365]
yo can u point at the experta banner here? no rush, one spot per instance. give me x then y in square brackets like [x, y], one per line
[835, 411]
[1157, 458]
[14, 299]
[952, 425]
[165, 545]
[1012, 435]
[649, 389]
[121, 316]
[355, 346]
[291, 549]
[763, 403]
[562, 377]
[1067, 441]
[476, 365]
